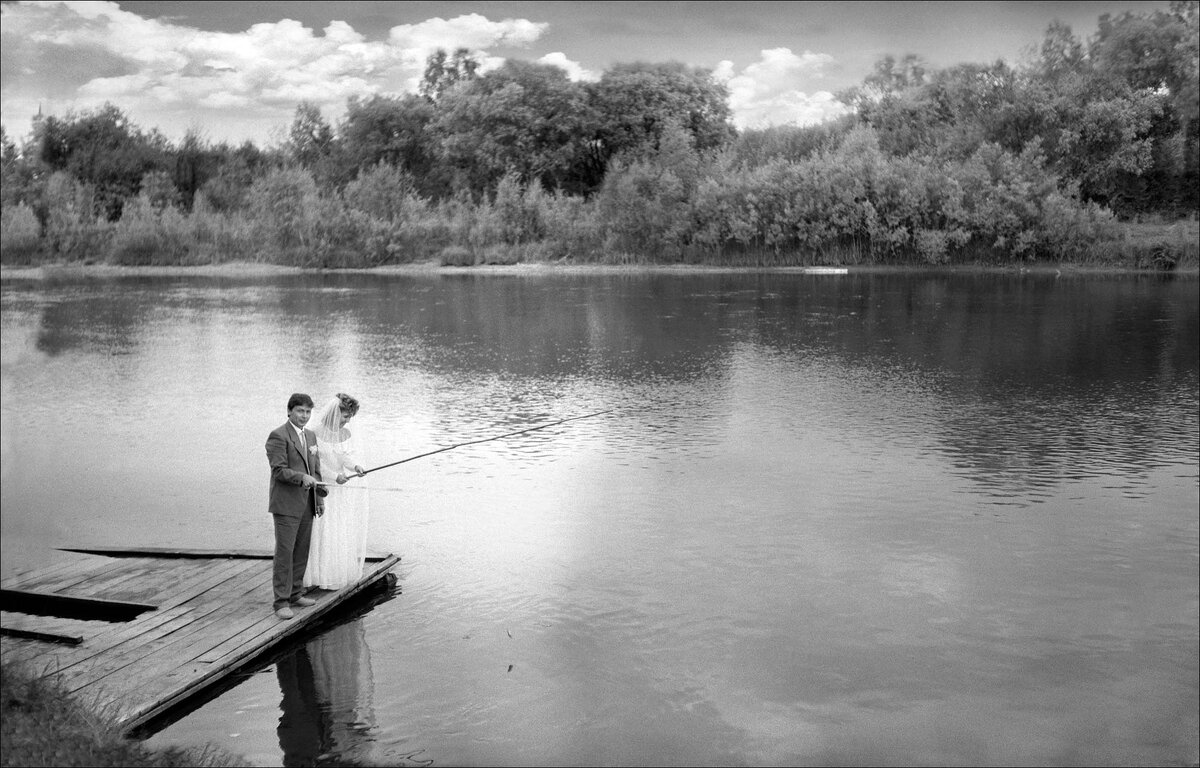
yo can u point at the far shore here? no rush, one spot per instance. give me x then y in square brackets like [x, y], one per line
[257, 269]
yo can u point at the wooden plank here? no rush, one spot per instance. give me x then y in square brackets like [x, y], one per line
[123, 570]
[42, 628]
[79, 572]
[147, 568]
[90, 572]
[51, 628]
[221, 605]
[189, 679]
[208, 625]
[136, 678]
[248, 635]
[31, 575]
[141, 580]
[21, 651]
[148, 584]
[216, 575]
[70, 662]
[172, 552]
[177, 603]
[175, 552]
[170, 606]
[231, 650]
[148, 648]
[45, 637]
[231, 592]
[163, 654]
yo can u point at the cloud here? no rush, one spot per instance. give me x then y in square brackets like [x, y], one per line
[166, 76]
[470, 31]
[62, 56]
[574, 69]
[767, 92]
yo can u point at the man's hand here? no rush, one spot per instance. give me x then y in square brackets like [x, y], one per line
[341, 479]
[308, 481]
[318, 511]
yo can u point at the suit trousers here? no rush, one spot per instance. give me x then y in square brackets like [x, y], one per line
[292, 538]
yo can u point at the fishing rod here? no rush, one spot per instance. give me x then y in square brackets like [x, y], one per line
[484, 440]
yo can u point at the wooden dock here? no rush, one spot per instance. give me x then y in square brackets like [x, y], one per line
[134, 633]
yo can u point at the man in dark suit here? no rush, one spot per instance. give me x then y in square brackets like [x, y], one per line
[295, 497]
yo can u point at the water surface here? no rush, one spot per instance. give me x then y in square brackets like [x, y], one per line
[879, 518]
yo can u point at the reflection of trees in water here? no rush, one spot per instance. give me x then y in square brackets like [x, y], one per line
[103, 320]
[1025, 382]
[327, 702]
[1021, 375]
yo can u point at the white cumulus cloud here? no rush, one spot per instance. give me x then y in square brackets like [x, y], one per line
[574, 69]
[768, 92]
[171, 77]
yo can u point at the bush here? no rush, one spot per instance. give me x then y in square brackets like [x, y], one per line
[643, 210]
[73, 231]
[572, 228]
[456, 256]
[221, 237]
[145, 236]
[20, 240]
[285, 210]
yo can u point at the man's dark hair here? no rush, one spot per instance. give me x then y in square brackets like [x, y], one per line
[299, 398]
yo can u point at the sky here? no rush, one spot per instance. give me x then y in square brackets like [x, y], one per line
[235, 71]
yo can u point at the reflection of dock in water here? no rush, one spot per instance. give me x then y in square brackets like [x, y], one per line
[137, 632]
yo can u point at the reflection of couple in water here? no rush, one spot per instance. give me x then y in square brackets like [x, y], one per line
[328, 716]
[328, 709]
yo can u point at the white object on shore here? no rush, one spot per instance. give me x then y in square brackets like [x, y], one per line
[826, 271]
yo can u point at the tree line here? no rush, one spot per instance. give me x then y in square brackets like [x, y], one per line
[1047, 159]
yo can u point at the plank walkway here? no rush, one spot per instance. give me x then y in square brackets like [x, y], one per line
[211, 615]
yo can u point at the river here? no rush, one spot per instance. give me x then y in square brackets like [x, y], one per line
[889, 517]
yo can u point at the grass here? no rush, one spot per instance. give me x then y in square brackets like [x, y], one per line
[43, 725]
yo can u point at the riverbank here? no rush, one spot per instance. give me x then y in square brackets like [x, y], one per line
[189, 244]
[240, 269]
[44, 725]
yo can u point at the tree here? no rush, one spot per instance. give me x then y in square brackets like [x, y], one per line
[1061, 54]
[525, 117]
[633, 103]
[394, 131]
[103, 150]
[312, 144]
[889, 76]
[441, 73]
[1115, 119]
[195, 164]
[229, 188]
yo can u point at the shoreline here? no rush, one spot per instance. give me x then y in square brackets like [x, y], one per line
[257, 269]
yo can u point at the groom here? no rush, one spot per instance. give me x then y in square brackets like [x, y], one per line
[294, 499]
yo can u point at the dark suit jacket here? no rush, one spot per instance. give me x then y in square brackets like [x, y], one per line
[288, 496]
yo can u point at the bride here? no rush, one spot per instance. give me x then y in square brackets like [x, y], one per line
[339, 537]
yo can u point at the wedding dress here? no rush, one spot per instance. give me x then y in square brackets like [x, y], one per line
[339, 537]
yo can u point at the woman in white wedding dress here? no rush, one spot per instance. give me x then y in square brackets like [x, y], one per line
[339, 537]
